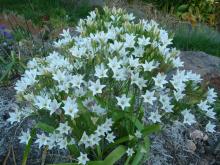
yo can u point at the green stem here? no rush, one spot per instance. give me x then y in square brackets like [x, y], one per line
[127, 160]
[99, 152]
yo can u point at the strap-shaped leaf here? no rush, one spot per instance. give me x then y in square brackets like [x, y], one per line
[28, 147]
[73, 150]
[45, 127]
[88, 163]
[143, 149]
[135, 121]
[151, 129]
[118, 115]
[119, 141]
[115, 155]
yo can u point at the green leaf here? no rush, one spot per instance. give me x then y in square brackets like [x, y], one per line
[119, 141]
[115, 155]
[45, 127]
[151, 129]
[73, 150]
[118, 115]
[28, 147]
[135, 121]
[88, 163]
[143, 150]
[6, 72]
[183, 8]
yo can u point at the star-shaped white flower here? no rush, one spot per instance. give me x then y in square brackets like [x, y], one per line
[130, 152]
[149, 97]
[189, 118]
[160, 80]
[53, 106]
[138, 134]
[25, 137]
[110, 137]
[96, 87]
[155, 117]
[64, 128]
[42, 140]
[123, 101]
[14, 116]
[100, 71]
[82, 159]
[149, 66]
[210, 127]
[70, 107]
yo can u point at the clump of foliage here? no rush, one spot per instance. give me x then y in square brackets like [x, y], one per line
[191, 10]
[58, 13]
[10, 64]
[102, 93]
[198, 38]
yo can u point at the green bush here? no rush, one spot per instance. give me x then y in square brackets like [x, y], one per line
[190, 10]
[199, 38]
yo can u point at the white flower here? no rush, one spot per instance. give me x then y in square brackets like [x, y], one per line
[193, 76]
[211, 95]
[62, 143]
[134, 62]
[178, 95]
[189, 118]
[64, 128]
[114, 63]
[129, 17]
[210, 127]
[203, 105]
[165, 101]
[94, 139]
[98, 110]
[149, 97]
[100, 71]
[138, 134]
[70, 107]
[77, 51]
[66, 33]
[110, 137]
[160, 80]
[120, 74]
[177, 62]
[116, 46]
[77, 81]
[210, 113]
[53, 106]
[84, 139]
[42, 101]
[82, 159]
[129, 40]
[100, 130]
[42, 140]
[21, 85]
[139, 81]
[14, 116]
[155, 117]
[149, 66]
[130, 152]
[123, 101]
[143, 41]
[96, 87]
[25, 137]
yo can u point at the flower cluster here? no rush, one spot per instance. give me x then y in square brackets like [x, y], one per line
[109, 82]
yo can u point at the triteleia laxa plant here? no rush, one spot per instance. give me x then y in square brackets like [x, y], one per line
[101, 93]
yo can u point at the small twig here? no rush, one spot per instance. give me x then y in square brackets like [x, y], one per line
[44, 155]
[7, 156]
[13, 155]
